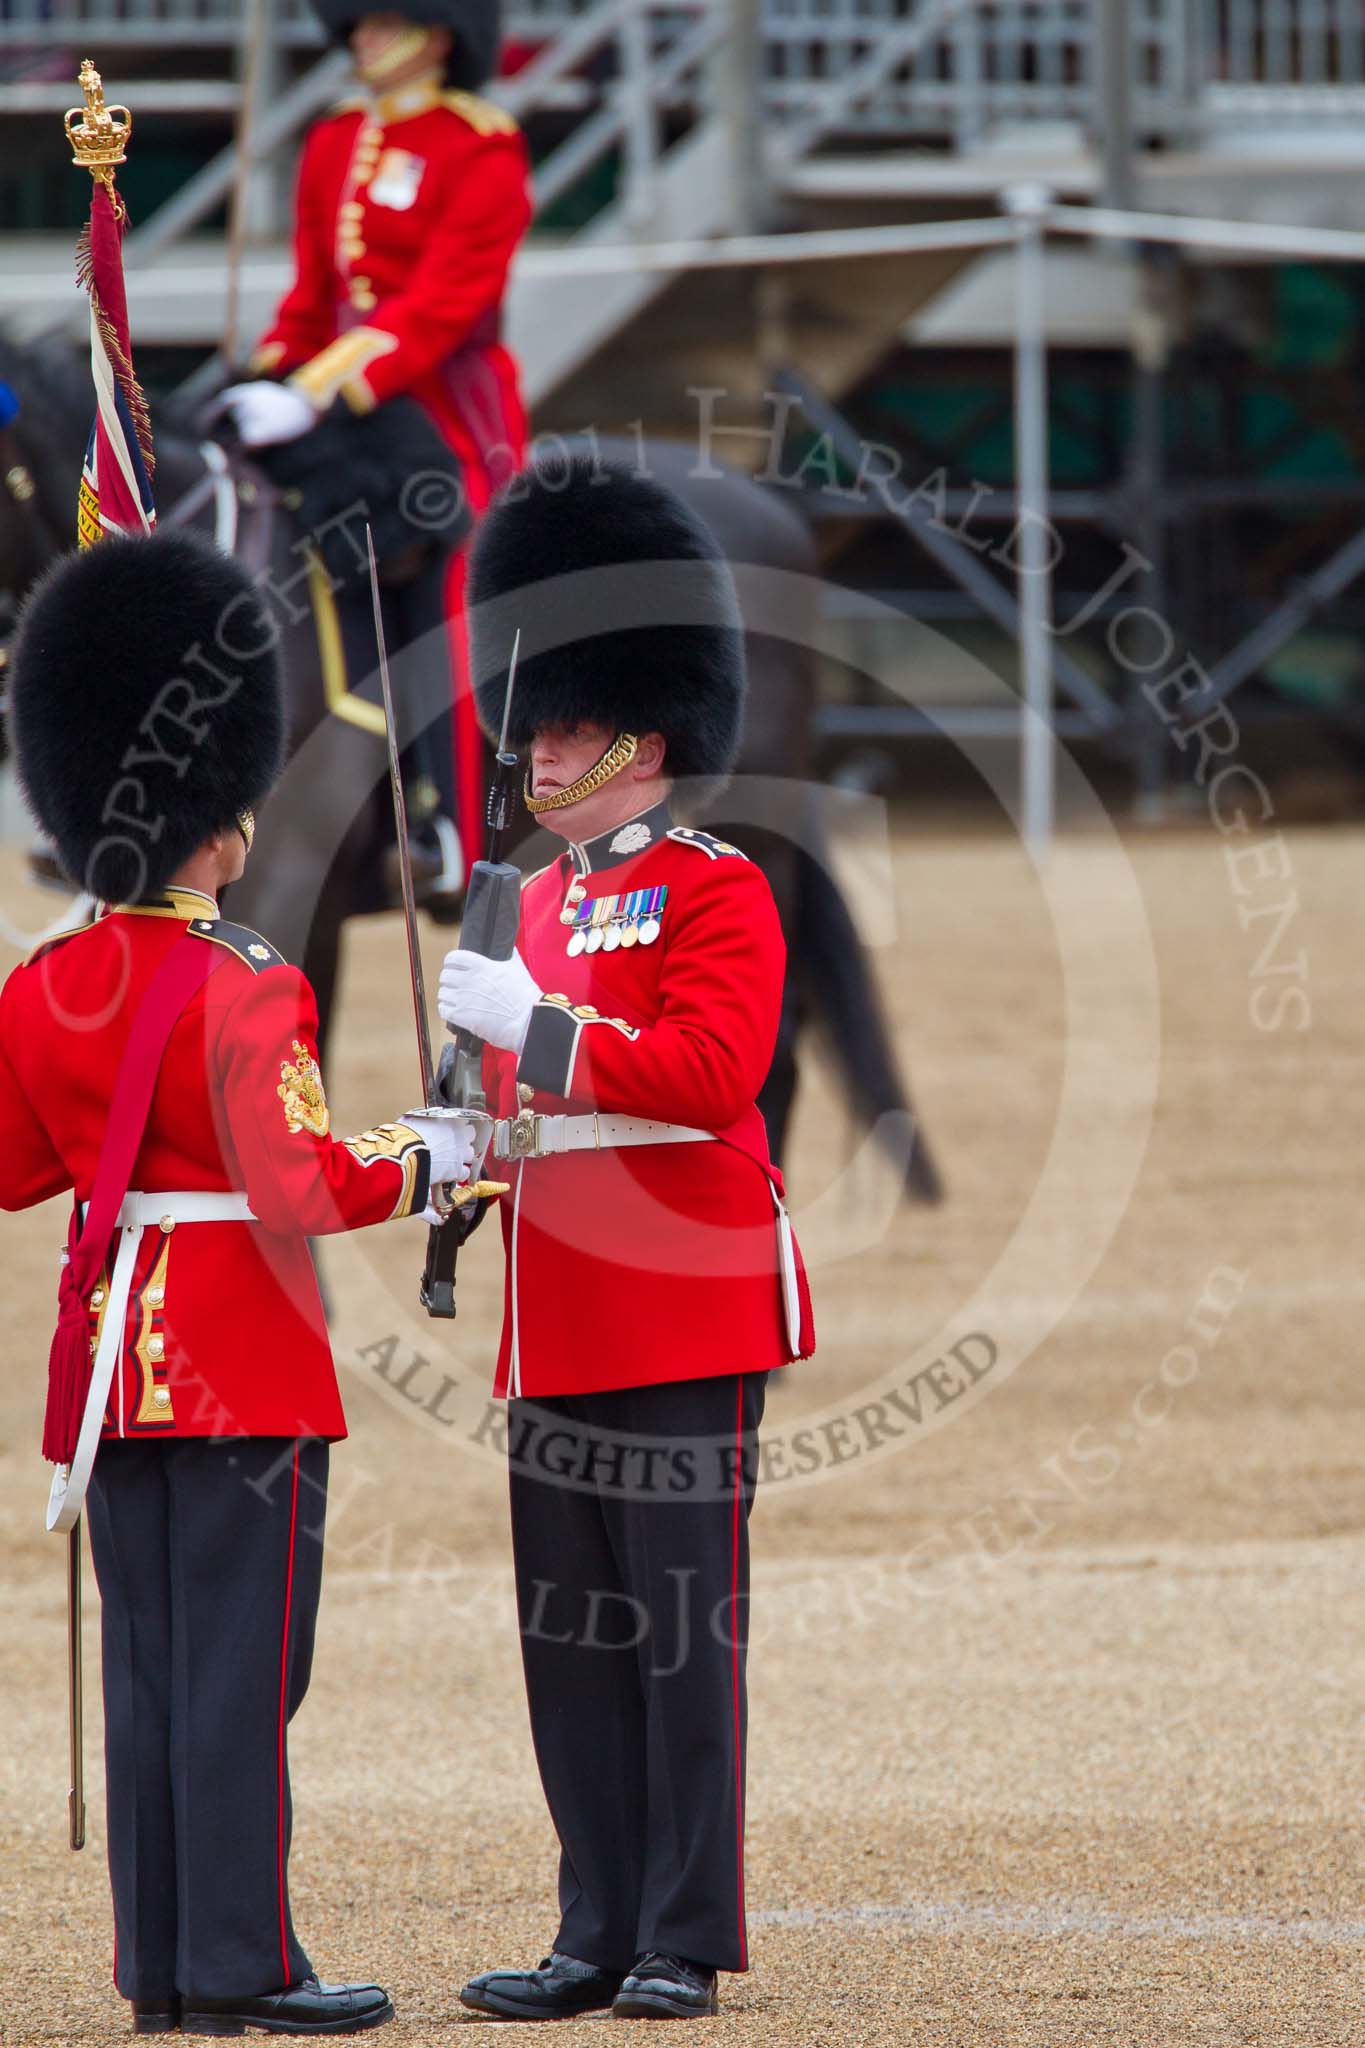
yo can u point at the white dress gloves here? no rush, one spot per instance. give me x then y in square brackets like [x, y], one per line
[264, 412]
[492, 998]
[450, 1141]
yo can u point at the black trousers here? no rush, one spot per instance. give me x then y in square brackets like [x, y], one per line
[209, 1561]
[630, 1534]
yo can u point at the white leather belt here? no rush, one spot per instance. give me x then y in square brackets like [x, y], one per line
[137, 1213]
[529, 1136]
[190, 1205]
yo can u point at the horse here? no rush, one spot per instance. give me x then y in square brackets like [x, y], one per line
[325, 839]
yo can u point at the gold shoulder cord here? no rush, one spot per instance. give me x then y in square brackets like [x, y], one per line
[619, 754]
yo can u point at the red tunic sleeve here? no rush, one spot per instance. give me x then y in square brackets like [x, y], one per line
[31, 1169]
[296, 1174]
[705, 1057]
[306, 318]
[461, 275]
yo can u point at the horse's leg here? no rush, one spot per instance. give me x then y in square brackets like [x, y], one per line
[837, 986]
[777, 1096]
[323, 948]
[829, 979]
[776, 853]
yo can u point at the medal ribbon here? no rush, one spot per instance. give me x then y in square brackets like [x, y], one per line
[638, 907]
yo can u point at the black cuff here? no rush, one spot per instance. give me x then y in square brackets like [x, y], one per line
[423, 1184]
[547, 1057]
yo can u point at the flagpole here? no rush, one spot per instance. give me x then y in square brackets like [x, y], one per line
[115, 491]
[116, 480]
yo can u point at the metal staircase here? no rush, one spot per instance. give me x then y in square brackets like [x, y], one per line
[681, 120]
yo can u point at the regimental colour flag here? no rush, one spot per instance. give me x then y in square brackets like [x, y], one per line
[116, 479]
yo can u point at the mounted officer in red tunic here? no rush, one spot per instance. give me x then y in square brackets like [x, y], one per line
[412, 198]
[160, 1063]
[652, 1278]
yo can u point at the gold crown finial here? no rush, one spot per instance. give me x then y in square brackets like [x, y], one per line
[98, 134]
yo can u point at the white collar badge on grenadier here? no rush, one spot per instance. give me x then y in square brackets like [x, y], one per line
[632, 837]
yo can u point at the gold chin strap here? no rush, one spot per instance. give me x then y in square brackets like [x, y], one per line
[404, 44]
[246, 825]
[619, 755]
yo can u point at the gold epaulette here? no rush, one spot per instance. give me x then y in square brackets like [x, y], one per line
[250, 948]
[481, 115]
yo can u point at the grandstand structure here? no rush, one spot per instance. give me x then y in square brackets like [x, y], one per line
[909, 216]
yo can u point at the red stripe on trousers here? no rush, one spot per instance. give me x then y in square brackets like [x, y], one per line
[284, 1706]
[734, 1652]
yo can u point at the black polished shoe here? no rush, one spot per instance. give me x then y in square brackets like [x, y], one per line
[156, 2015]
[306, 2008]
[559, 1989]
[663, 1987]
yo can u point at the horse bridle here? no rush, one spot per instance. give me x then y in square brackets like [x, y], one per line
[229, 482]
[18, 476]
[23, 493]
[225, 481]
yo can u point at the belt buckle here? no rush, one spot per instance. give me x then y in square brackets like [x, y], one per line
[523, 1135]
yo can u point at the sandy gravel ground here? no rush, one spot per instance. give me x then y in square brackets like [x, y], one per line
[1056, 1694]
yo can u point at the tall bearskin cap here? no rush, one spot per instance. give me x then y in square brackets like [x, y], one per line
[475, 25]
[145, 706]
[626, 608]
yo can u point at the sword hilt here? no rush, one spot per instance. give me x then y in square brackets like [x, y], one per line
[444, 1240]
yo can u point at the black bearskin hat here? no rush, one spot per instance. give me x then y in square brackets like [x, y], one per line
[145, 706]
[475, 25]
[571, 543]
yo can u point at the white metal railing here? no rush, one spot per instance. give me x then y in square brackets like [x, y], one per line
[1288, 61]
[653, 55]
[1290, 43]
[990, 62]
[162, 22]
[887, 69]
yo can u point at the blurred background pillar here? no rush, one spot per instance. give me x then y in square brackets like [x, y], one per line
[735, 72]
[1029, 205]
[1112, 30]
[259, 202]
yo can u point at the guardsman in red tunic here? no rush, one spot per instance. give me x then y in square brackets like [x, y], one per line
[144, 736]
[652, 1279]
[411, 201]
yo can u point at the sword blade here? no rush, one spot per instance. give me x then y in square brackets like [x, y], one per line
[400, 822]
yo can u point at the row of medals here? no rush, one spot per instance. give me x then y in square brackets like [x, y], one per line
[614, 920]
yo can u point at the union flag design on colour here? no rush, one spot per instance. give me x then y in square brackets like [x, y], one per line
[116, 477]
